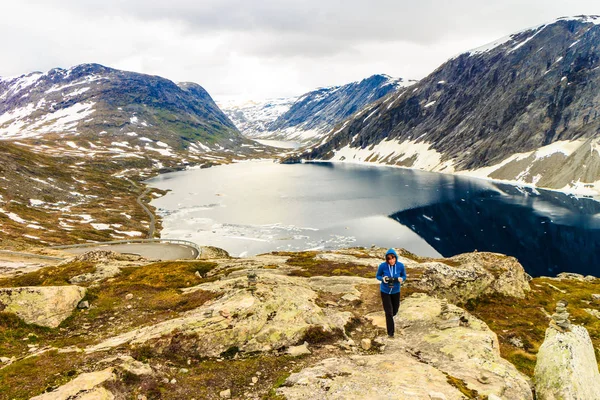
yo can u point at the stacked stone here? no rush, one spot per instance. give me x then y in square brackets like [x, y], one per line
[445, 310]
[561, 316]
[252, 278]
[448, 319]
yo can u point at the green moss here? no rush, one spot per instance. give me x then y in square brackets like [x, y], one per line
[279, 382]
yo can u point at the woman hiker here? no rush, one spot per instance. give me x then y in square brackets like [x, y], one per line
[391, 273]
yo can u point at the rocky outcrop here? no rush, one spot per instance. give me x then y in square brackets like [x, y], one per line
[471, 276]
[41, 305]
[84, 387]
[421, 362]
[273, 313]
[566, 366]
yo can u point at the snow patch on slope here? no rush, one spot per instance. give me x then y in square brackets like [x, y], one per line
[391, 152]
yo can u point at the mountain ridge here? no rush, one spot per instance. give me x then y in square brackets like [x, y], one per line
[478, 109]
[307, 117]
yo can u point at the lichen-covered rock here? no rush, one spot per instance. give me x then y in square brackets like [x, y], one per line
[470, 276]
[41, 305]
[84, 387]
[275, 313]
[566, 367]
[418, 361]
[380, 376]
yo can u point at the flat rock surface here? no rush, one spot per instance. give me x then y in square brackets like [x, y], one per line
[417, 362]
[274, 314]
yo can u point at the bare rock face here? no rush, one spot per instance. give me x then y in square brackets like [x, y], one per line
[566, 366]
[84, 387]
[275, 312]
[418, 361]
[41, 305]
[475, 274]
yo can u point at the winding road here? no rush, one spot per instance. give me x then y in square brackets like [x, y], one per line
[152, 226]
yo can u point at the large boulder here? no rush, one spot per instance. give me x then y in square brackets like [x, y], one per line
[469, 276]
[274, 313]
[566, 366]
[437, 346]
[41, 305]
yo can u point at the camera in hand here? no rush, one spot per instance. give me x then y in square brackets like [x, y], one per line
[390, 281]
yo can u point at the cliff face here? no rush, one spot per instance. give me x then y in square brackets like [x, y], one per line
[527, 103]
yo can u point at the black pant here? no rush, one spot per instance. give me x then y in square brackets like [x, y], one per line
[391, 303]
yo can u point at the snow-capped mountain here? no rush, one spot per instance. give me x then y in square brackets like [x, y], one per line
[253, 118]
[73, 141]
[308, 117]
[91, 108]
[524, 109]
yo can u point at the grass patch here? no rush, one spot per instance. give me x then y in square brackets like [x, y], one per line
[463, 388]
[13, 331]
[168, 274]
[35, 375]
[309, 266]
[50, 276]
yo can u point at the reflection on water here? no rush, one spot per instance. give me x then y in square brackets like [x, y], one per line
[256, 207]
[548, 232]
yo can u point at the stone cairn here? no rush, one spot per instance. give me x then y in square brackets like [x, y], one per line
[561, 316]
[448, 319]
[252, 279]
[444, 314]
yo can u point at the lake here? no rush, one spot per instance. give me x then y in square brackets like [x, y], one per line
[255, 207]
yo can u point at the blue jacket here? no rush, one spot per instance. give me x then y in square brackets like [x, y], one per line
[395, 271]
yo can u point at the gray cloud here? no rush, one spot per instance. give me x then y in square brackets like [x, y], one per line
[265, 47]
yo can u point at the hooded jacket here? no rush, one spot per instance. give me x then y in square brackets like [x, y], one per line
[395, 271]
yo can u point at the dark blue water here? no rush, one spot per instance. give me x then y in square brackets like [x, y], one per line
[257, 207]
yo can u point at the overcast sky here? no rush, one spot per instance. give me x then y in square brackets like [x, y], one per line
[257, 49]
